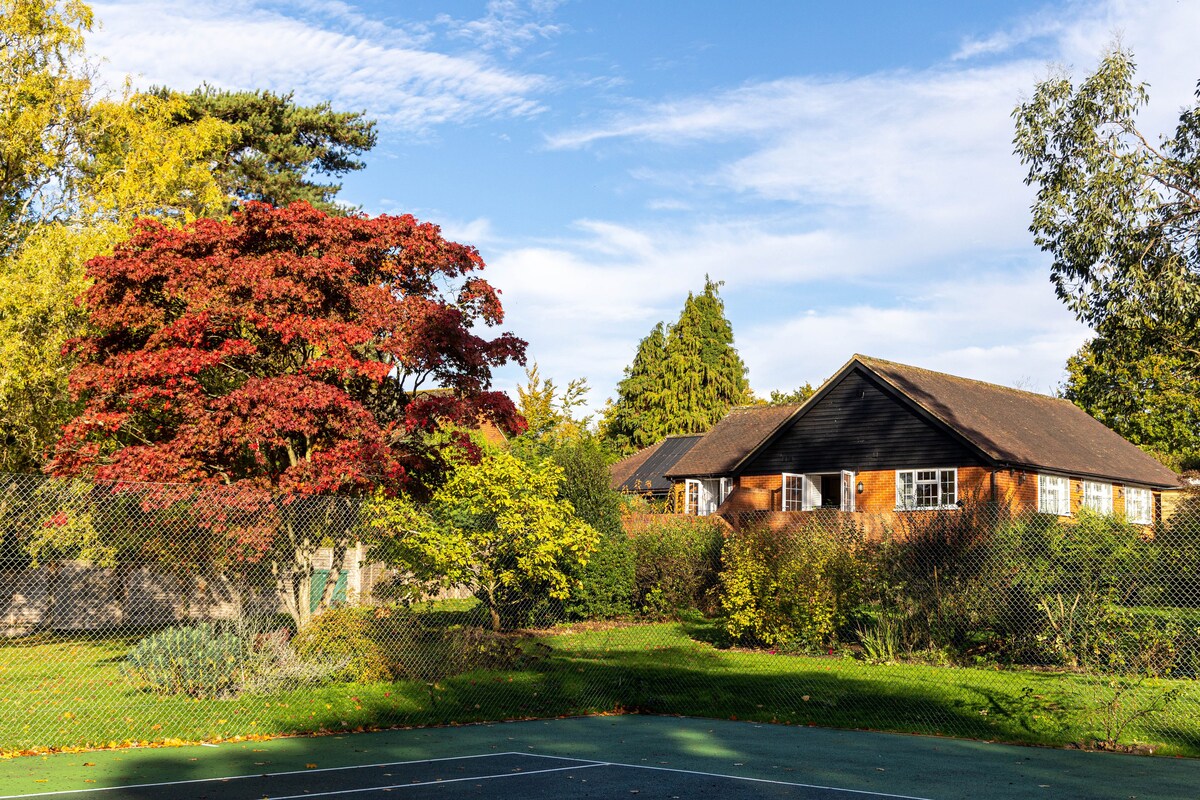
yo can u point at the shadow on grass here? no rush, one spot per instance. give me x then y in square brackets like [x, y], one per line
[659, 670]
[688, 682]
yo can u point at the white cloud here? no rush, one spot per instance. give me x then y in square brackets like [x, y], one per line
[1004, 329]
[900, 187]
[1039, 26]
[355, 66]
[508, 25]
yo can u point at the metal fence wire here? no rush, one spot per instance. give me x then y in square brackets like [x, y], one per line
[146, 613]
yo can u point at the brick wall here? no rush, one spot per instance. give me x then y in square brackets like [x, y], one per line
[1017, 489]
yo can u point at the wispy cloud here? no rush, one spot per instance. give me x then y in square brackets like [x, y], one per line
[584, 305]
[356, 66]
[508, 26]
[1039, 27]
[1005, 328]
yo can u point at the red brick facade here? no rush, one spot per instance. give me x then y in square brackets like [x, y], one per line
[1016, 489]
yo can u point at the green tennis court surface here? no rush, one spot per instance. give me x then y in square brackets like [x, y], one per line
[628, 756]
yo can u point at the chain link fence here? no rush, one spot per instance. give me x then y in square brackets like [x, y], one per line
[162, 613]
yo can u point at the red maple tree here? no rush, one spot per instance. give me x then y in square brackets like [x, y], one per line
[278, 356]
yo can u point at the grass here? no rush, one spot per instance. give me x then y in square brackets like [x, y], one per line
[70, 691]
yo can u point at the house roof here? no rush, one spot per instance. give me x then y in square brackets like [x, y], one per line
[643, 471]
[1007, 427]
[1020, 428]
[738, 434]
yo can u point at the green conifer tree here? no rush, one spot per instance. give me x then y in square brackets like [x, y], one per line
[633, 421]
[682, 380]
[703, 374]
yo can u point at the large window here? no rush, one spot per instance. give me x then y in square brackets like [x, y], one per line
[1054, 495]
[926, 488]
[1139, 505]
[815, 490]
[1097, 496]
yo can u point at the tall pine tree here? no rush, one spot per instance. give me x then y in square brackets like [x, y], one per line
[632, 422]
[682, 381]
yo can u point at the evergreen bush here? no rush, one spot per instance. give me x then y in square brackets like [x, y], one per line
[676, 563]
[198, 660]
[605, 584]
[363, 642]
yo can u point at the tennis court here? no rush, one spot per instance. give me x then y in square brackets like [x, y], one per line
[612, 756]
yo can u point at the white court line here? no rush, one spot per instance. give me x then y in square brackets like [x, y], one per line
[866, 792]
[580, 763]
[255, 775]
[586, 765]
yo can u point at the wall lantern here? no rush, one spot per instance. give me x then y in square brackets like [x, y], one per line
[860, 487]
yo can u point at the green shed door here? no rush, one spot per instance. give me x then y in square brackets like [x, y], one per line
[318, 586]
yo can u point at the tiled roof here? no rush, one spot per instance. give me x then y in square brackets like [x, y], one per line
[1008, 426]
[643, 471]
[737, 435]
[1023, 428]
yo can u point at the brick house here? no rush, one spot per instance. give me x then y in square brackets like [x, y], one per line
[883, 438]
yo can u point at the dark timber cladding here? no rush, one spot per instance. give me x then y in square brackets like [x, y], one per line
[861, 425]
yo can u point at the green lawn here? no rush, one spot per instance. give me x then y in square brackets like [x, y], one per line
[66, 692]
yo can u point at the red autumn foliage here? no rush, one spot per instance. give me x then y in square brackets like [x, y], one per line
[281, 352]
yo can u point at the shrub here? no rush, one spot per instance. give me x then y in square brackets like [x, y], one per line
[498, 528]
[359, 642]
[606, 583]
[1032, 589]
[798, 587]
[604, 586]
[676, 561]
[198, 661]
[930, 576]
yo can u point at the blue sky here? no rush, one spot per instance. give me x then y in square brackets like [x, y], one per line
[847, 173]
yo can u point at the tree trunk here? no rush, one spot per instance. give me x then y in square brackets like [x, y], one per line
[489, 591]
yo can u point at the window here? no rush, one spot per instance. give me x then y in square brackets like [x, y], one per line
[818, 490]
[691, 497]
[703, 497]
[793, 492]
[1139, 505]
[1054, 495]
[1097, 496]
[847, 490]
[926, 488]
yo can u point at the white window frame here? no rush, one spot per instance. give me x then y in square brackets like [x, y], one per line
[703, 496]
[1056, 488]
[906, 501]
[797, 503]
[691, 505]
[1144, 506]
[848, 490]
[1098, 496]
[805, 492]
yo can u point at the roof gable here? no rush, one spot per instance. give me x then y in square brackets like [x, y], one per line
[860, 423]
